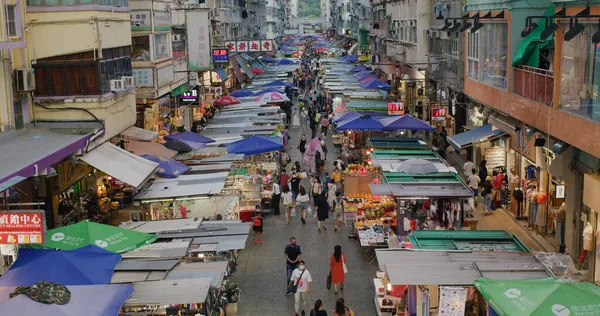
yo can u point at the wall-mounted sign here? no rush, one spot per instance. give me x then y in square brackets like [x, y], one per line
[216, 91]
[254, 46]
[560, 191]
[249, 46]
[22, 227]
[198, 44]
[438, 114]
[230, 46]
[395, 108]
[162, 21]
[144, 77]
[266, 45]
[220, 56]
[68, 173]
[140, 20]
[190, 97]
[241, 46]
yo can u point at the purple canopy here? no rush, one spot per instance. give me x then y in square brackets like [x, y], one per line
[405, 122]
[269, 89]
[368, 78]
[255, 145]
[277, 83]
[191, 137]
[344, 117]
[375, 84]
[358, 68]
[167, 168]
[241, 93]
[361, 123]
[361, 74]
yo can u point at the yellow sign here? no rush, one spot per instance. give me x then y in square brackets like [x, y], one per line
[364, 58]
[68, 173]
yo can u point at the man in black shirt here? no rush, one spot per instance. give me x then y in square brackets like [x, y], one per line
[292, 256]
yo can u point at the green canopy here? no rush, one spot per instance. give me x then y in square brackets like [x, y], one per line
[528, 53]
[541, 297]
[111, 238]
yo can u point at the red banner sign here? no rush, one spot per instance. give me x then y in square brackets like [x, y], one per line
[395, 108]
[21, 227]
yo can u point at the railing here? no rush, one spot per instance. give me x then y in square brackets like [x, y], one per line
[54, 3]
[534, 83]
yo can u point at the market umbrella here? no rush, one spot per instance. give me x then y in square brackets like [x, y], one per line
[111, 238]
[190, 136]
[368, 78]
[285, 61]
[361, 74]
[272, 97]
[88, 300]
[167, 168]
[257, 71]
[417, 166]
[540, 297]
[405, 122]
[241, 93]
[268, 59]
[358, 68]
[277, 83]
[227, 100]
[82, 266]
[270, 89]
[361, 123]
[375, 84]
[255, 145]
[346, 116]
[183, 146]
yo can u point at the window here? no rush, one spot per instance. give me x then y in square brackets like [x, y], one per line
[18, 114]
[162, 49]
[580, 75]
[11, 22]
[140, 48]
[487, 54]
[450, 47]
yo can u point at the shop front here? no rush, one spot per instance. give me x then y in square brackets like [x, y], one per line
[590, 223]
[74, 181]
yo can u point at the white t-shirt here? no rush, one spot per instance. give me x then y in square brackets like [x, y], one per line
[303, 283]
[287, 198]
[468, 168]
[302, 198]
[474, 181]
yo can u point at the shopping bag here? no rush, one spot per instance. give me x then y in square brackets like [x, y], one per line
[309, 210]
[329, 281]
[294, 211]
[344, 265]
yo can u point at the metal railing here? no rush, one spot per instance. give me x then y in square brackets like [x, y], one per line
[534, 83]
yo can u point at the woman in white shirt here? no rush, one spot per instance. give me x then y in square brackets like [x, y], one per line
[302, 201]
[288, 203]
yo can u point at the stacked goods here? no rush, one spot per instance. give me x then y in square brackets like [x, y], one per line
[358, 170]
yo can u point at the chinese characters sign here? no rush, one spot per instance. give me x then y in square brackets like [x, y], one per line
[254, 46]
[249, 46]
[395, 108]
[438, 114]
[216, 91]
[198, 31]
[162, 21]
[144, 77]
[21, 227]
[220, 56]
[140, 20]
[242, 46]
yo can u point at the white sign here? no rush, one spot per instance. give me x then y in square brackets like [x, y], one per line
[254, 46]
[165, 76]
[216, 91]
[140, 20]
[162, 21]
[231, 46]
[266, 46]
[198, 30]
[560, 191]
[241, 46]
[452, 301]
[144, 77]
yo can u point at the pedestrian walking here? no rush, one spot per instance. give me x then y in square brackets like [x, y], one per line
[338, 211]
[316, 189]
[341, 309]
[473, 182]
[288, 203]
[276, 198]
[322, 213]
[292, 254]
[318, 310]
[302, 145]
[337, 268]
[302, 280]
[295, 183]
[302, 202]
[337, 177]
[487, 194]
[257, 225]
[324, 124]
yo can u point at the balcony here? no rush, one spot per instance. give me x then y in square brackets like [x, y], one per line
[534, 83]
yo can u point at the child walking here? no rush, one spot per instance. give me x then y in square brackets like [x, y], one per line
[257, 225]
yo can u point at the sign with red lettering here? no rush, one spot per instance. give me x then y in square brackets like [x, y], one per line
[438, 114]
[231, 46]
[266, 46]
[242, 46]
[220, 56]
[22, 227]
[254, 46]
[395, 108]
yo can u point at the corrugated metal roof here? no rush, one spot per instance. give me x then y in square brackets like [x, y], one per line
[154, 265]
[433, 190]
[129, 276]
[156, 276]
[184, 185]
[224, 243]
[185, 270]
[470, 240]
[216, 228]
[151, 227]
[421, 267]
[167, 292]
[173, 249]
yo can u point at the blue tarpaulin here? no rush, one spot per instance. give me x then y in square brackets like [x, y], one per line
[362, 74]
[270, 89]
[285, 61]
[345, 117]
[358, 68]
[404, 122]
[362, 123]
[167, 168]
[183, 146]
[475, 135]
[268, 59]
[83, 266]
[88, 300]
[375, 84]
[368, 78]
[277, 83]
[222, 73]
[241, 93]
[255, 145]
[190, 136]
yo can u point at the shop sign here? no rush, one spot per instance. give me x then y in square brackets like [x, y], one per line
[521, 144]
[241, 46]
[438, 114]
[254, 46]
[560, 191]
[396, 108]
[162, 20]
[364, 58]
[249, 46]
[22, 227]
[220, 56]
[190, 97]
[68, 173]
[198, 44]
[140, 20]
[144, 77]
[217, 91]
[549, 155]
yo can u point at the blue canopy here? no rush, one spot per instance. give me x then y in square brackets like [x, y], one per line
[472, 136]
[89, 300]
[222, 73]
[285, 61]
[268, 59]
[278, 83]
[361, 74]
[183, 146]
[270, 89]
[82, 266]
[358, 68]
[167, 168]
[345, 117]
[190, 136]
[255, 145]
[350, 59]
[367, 78]
[361, 123]
[404, 122]
[375, 84]
[241, 93]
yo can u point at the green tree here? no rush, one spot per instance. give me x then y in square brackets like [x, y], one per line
[309, 8]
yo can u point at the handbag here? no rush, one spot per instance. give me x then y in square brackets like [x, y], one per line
[292, 288]
[329, 281]
[344, 264]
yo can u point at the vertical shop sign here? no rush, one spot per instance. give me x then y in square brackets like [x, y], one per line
[22, 227]
[198, 31]
[68, 173]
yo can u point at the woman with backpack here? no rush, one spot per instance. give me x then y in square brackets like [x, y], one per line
[257, 225]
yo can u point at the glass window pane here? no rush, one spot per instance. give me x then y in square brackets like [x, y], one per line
[141, 48]
[51, 2]
[161, 46]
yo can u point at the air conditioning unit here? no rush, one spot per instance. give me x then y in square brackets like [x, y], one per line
[435, 33]
[117, 85]
[129, 81]
[412, 23]
[427, 33]
[444, 35]
[25, 79]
